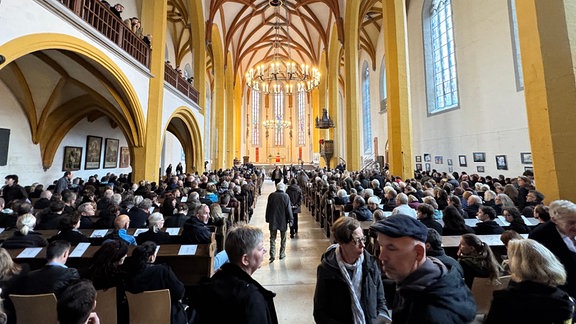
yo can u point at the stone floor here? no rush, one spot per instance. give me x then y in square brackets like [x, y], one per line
[293, 279]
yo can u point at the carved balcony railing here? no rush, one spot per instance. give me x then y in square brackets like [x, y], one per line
[176, 80]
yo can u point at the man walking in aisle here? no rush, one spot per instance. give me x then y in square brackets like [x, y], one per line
[278, 216]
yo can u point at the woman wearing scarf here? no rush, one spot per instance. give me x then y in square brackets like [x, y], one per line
[349, 286]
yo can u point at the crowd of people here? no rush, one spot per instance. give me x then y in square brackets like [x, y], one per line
[409, 218]
[112, 202]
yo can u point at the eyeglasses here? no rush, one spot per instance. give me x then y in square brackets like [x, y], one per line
[359, 240]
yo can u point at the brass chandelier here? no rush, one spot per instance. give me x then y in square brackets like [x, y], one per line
[279, 75]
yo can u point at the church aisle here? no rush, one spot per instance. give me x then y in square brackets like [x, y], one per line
[293, 279]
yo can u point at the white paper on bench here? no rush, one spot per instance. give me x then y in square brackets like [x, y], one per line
[99, 233]
[79, 250]
[29, 252]
[173, 230]
[140, 230]
[2, 229]
[503, 221]
[187, 249]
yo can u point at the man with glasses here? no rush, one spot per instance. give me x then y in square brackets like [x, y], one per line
[349, 287]
[427, 291]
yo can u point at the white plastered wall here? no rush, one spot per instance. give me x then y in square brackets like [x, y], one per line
[492, 113]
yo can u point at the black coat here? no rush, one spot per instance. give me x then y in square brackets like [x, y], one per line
[295, 194]
[433, 294]
[176, 220]
[279, 211]
[48, 279]
[18, 241]
[157, 277]
[233, 296]
[159, 237]
[488, 227]
[361, 214]
[332, 297]
[72, 236]
[530, 303]
[431, 223]
[138, 217]
[195, 232]
[548, 235]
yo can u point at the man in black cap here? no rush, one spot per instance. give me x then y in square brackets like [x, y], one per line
[12, 190]
[427, 291]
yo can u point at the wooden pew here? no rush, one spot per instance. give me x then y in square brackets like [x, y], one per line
[190, 269]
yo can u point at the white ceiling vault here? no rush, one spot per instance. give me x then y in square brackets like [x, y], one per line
[302, 28]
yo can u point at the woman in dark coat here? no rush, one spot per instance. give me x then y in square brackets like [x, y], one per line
[144, 275]
[454, 222]
[68, 227]
[154, 233]
[512, 216]
[534, 296]
[25, 236]
[105, 272]
[349, 287]
[295, 194]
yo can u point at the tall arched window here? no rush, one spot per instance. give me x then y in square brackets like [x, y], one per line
[301, 118]
[383, 94]
[366, 118]
[255, 117]
[279, 116]
[516, 46]
[442, 82]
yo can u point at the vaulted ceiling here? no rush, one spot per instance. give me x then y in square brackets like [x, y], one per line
[250, 28]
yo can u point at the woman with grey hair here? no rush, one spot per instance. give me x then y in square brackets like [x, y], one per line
[24, 236]
[245, 299]
[154, 233]
[558, 236]
[536, 273]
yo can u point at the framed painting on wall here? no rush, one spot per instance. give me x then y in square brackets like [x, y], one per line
[124, 157]
[526, 158]
[419, 166]
[479, 156]
[427, 158]
[427, 165]
[449, 161]
[72, 158]
[111, 153]
[438, 159]
[501, 163]
[462, 160]
[93, 152]
[480, 168]
[418, 158]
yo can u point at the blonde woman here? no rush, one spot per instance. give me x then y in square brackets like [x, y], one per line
[534, 297]
[24, 236]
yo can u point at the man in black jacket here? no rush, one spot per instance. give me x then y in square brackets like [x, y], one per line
[278, 217]
[427, 291]
[487, 224]
[54, 277]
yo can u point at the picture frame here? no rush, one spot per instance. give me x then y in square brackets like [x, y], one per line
[450, 169]
[449, 161]
[479, 156]
[427, 157]
[529, 168]
[501, 163]
[124, 157]
[111, 153]
[427, 165]
[419, 166]
[72, 158]
[462, 160]
[93, 152]
[438, 159]
[418, 158]
[480, 168]
[526, 158]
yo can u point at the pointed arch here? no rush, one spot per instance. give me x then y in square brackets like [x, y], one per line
[183, 124]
